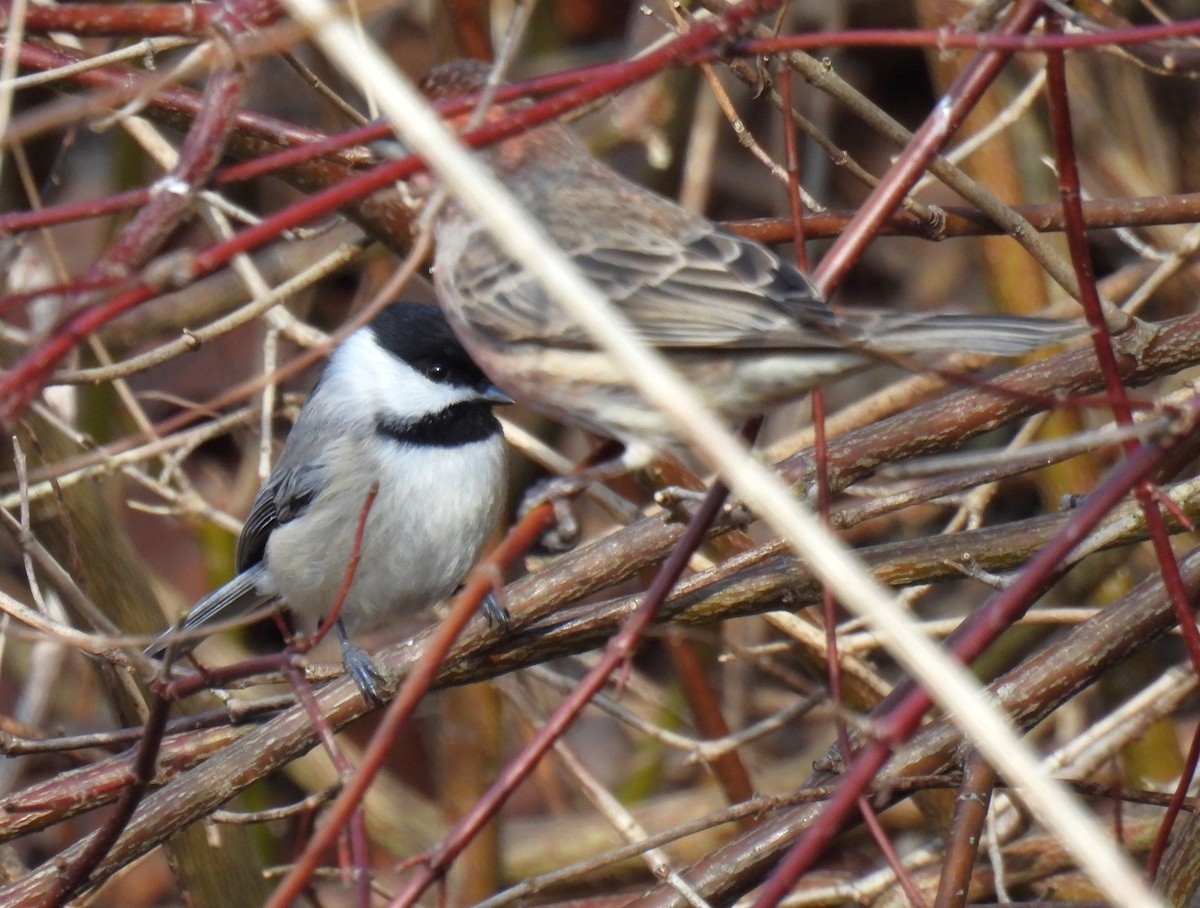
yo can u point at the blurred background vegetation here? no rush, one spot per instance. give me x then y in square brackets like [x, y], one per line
[143, 518]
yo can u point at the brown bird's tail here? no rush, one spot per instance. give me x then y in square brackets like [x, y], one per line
[1002, 335]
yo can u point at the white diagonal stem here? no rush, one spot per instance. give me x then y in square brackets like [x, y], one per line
[521, 237]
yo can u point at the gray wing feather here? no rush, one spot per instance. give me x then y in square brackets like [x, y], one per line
[713, 289]
[240, 596]
[283, 497]
[707, 288]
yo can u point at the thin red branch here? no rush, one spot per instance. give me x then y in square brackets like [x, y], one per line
[359, 850]
[952, 109]
[26, 378]
[900, 714]
[1081, 259]
[944, 39]
[1178, 798]
[351, 566]
[617, 653]
[1046, 217]
[136, 19]
[880, 836]
[1069, 188]
[76, 874]
[465, 604]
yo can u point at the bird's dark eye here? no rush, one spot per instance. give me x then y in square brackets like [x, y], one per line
[436, 371]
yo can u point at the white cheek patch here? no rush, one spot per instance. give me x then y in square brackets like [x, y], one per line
[364, 379]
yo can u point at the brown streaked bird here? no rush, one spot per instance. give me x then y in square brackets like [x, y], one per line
[743, 326]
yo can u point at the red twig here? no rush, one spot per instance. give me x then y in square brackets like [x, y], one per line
[141, 20]
[879, 834]
[75, 875]
[900, 714]
[351, 566]
[26, 378]
[1046, 217]
[360, 853]
[1069, 187]
[619, 649]
[1081, 259]
[466, 603]
[949, 114]
[941, 39]
[1178, 797]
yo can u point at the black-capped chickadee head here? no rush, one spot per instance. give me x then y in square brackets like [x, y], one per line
[399, 406]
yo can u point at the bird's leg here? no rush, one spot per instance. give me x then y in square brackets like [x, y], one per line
[493, 607]
[557, 491]
[495, 613]
[361, 667]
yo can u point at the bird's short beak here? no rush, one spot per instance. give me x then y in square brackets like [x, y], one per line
[494, 395]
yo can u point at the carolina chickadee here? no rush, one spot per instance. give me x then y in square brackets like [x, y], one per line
[743, 326]
[400, 404]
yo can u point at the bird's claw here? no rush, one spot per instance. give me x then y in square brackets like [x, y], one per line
[563, 533]
[362, 668]
[495, 612]
[367, 677]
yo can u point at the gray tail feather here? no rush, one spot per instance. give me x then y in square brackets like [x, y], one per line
[1002, 335]
[239, 596]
